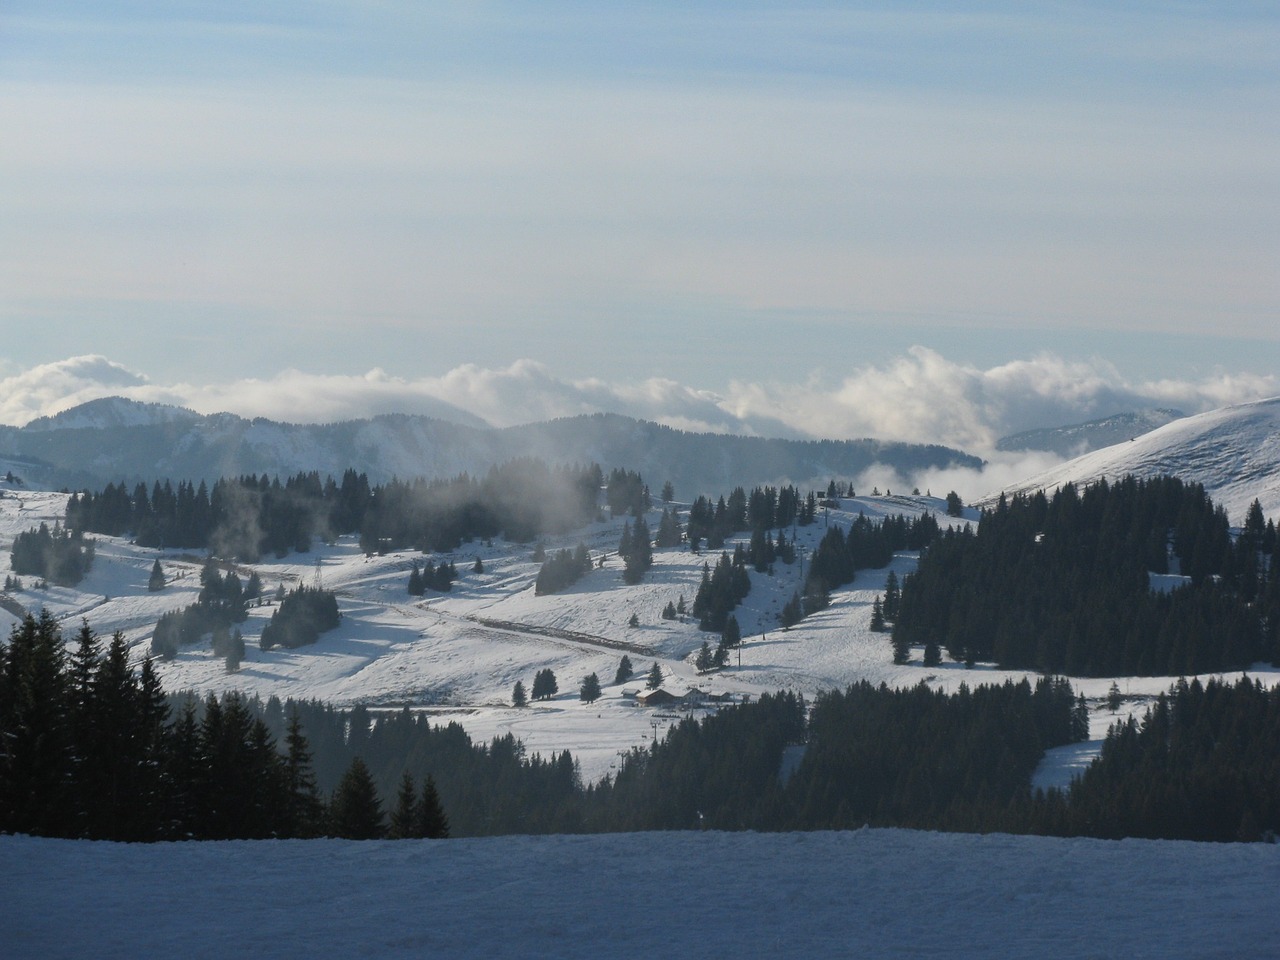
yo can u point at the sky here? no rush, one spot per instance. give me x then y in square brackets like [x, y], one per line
[697, 199]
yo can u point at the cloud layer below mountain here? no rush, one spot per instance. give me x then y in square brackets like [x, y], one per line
[920, 396]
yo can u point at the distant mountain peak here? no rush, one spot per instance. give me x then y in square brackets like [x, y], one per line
[108, 412]
[1234, 452]
[1074, 439]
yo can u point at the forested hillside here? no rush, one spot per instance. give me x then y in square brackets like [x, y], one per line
[1063, 584]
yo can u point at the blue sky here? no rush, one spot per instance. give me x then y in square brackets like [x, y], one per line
[707, 193]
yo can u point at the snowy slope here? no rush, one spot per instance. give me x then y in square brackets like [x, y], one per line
[1078, 438]
[867, 893]
[1234, 452]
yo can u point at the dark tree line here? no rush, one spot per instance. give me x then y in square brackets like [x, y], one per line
[91, 748]
[60, 555]
[764, 508]
[927, 759]
[1061, 585]
[487, 789]
[1204, 764]
[251, 516]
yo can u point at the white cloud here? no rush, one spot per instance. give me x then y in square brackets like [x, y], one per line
[52, 387]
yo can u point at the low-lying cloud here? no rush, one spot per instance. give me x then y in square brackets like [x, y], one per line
[918, 397]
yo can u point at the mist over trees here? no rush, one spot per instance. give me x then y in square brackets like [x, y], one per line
[62, 556]
[254, 516]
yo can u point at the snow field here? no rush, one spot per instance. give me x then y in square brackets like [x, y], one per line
[866, 893]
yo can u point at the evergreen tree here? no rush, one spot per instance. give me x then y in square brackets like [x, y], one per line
[416, 587]
[433, 824]
[406, 817]
[892, 597]
[518, 697]
[877, 615]
[589, 691]
[156, 580]
[544, 684]
[355, 812]
[704, 660]
[732, 635]
[625, 670]
[304, 809]
[654, 679]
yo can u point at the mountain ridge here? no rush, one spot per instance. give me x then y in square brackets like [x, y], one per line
[105, 442]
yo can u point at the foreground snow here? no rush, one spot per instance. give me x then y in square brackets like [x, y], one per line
[866, 893]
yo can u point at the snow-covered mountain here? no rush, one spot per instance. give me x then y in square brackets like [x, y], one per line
[1079, 438]
[113, 440]
[109, 412]
[1234, 452]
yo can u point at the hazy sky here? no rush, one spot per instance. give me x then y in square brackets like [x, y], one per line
[716, 195]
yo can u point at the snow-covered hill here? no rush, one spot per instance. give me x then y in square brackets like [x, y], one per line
[109, 412]
[867, 893]
[460, 654]
[1234, 452]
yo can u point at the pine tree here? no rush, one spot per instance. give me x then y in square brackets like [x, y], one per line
[518, 697]
[654, 679]
[544, 684]
[304, 808]
[433, 824]
[405, 818]
[156, 580]
[589, 691]
[355, 812]
[732, 635]
[705, 659]
[625, 670]
[892, 597]
[877, 615]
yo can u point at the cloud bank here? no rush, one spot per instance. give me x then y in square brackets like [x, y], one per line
[918, 397]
